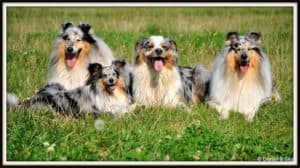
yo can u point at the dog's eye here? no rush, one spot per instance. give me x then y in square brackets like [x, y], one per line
[165, 47]
[236, 46]
[255, 49]
[114, 74]
[104, 75]
[238, 49]
[67, 39]
[149, 47]
[78, 40]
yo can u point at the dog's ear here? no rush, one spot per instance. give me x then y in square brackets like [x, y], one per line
[95, 69]
[172, 43]
[138, 47]
[140, 44]
[64, 26]
[95, 72]
[255, 36]
[85, 27]
[231, 36]
[119, 63]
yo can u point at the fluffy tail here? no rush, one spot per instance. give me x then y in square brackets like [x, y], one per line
[53, 95]
[12, 100]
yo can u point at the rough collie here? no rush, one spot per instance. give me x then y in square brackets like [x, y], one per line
[76, 47]
[104, 91]
[157, 80]
[241, 76]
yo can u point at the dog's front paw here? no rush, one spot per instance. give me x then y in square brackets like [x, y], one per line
[249, 116]
[224, 114]
[187, 109]
[132, 107]
[214, 105]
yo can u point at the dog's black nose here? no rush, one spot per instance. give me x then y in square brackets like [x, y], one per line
[158, 51]
[111, 80]
[244, 56]
[70, 49]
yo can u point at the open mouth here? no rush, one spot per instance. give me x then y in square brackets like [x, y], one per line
[244, 65]
[158, 63]
[71, 58]
[111, 87]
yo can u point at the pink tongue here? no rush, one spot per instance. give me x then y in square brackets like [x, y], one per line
[158, 65]
[71, 61]
[244, 68]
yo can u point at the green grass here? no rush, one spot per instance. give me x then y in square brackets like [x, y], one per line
[155, 133]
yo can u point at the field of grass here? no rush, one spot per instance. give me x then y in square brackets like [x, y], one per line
[153, 134]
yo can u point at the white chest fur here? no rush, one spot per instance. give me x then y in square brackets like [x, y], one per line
[152, 88]
[117, 103]
[69, 78]
[243, 95]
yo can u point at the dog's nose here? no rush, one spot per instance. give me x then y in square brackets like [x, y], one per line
[70, 49]
[111, 80]
[158, 51]
[244, 56]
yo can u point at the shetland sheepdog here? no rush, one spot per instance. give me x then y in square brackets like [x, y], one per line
[157, 80]
[104, 91]
[76, 47]
[241, 76]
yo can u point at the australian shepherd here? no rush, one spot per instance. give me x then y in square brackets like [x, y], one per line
[76, 47]
[157, 80]
[104, 91]
[241, 76]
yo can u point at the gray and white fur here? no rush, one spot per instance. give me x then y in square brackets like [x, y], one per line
[241, 76]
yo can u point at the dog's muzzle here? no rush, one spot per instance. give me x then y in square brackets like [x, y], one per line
[111, 84]
[111, 87]
[71, 56]
[244, 65]
[158, 62]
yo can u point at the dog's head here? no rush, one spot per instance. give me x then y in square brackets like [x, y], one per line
[245, 49]
[75, 41]
[107, 77]
[157, 52]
